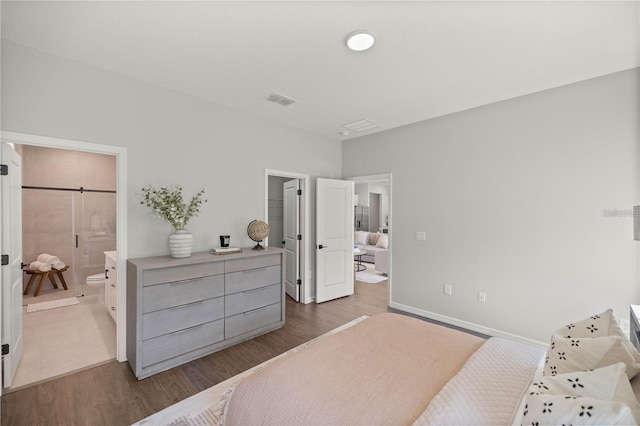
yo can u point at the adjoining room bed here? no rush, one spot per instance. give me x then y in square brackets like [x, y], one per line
[394, 369]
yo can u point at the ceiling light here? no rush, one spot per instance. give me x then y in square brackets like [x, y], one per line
[360, 40]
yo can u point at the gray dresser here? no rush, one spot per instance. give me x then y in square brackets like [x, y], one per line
[634, 326]
[179, 310]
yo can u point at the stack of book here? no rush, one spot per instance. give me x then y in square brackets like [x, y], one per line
[225, 250]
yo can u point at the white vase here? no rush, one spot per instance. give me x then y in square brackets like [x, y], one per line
[180, 244]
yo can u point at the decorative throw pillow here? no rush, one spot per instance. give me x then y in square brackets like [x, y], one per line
[360, 238]
[383, 241]
[603, 324]
[591, 343]
[373, 238]
[600, 396]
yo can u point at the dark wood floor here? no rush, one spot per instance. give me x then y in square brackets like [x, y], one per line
[111, 395]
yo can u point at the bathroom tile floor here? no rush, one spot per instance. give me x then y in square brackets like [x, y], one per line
[63, 340]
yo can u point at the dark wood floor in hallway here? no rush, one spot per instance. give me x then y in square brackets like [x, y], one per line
[110, 394]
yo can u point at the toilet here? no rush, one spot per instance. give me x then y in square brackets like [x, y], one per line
[97, 281]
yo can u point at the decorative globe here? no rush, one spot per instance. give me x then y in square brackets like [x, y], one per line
[258, 230]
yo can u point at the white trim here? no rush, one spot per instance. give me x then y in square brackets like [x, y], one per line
[467, 325]
[305, 290]
[374, 178]
[121, 214]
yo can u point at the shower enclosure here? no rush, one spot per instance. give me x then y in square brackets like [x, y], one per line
[77, 225]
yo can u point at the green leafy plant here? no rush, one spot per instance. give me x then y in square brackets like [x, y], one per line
[168, 203]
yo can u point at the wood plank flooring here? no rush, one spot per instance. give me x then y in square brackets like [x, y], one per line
[110, 394]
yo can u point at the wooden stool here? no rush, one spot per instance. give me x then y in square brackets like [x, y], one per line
[43, 278]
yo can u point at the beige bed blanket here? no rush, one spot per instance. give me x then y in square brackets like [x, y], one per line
[384, 370]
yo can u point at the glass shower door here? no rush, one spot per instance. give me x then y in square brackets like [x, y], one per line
[47, 227]
[94, 233]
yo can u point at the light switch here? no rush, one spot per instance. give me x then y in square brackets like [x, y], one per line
[421, 236]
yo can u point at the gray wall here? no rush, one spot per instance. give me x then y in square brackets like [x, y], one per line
[511, 196]
[170, 138]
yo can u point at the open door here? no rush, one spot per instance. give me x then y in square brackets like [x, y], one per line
[334, 239]
[11, 271]
[292, 237]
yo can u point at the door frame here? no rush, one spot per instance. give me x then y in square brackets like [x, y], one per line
[121, 212]
[374, 178]
[305, 248]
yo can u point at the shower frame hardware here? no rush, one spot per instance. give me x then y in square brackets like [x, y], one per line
[81, 189]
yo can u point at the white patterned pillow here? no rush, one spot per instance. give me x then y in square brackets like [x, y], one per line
[597, 397]
[603, 324]
[594, 342]
[576, 354]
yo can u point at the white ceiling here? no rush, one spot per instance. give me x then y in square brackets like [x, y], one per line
[431, 58]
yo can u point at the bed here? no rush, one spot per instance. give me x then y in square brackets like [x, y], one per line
[394, 369]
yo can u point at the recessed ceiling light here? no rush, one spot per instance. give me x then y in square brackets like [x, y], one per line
[360, 40]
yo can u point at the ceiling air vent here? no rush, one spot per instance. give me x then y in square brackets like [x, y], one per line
[280, 99]
[361, 125]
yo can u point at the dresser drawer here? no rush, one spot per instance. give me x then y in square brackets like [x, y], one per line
[251, 299]
[251, 320]
[179, 273]
[177, 293]
[180, 342]
[177, 318]
[253, 278]
[235, 265]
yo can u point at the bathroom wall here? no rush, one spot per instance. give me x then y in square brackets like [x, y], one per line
[47, 215]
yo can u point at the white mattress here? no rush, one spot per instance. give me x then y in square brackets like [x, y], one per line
[489, 388]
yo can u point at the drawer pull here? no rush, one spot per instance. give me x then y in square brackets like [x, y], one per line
[249, 271]
[188, 280]
[186, 304]
[187, 329]
[253, 290]
[255, 311]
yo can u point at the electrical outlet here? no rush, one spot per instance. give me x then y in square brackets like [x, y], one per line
[448, 289]
[482, 296]
[421, 236]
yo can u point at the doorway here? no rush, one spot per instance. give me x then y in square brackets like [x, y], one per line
[120, 216]
[373, 220]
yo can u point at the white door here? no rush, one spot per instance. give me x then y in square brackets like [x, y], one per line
[334, 239]
[291, 233]
[11, 237]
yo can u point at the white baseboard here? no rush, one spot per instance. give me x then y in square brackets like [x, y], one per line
[467, 325]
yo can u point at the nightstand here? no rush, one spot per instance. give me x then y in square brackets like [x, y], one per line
[634, 326]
